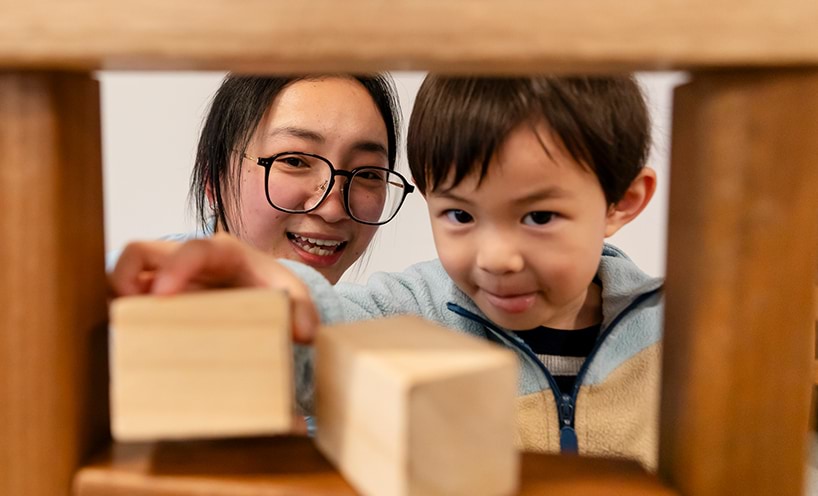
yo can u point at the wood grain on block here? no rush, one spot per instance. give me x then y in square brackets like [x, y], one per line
[201, 365]
[406, 407]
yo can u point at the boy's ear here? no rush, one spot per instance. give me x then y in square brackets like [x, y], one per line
[635, 199]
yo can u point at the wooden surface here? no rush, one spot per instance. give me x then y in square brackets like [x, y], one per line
[53, 371]
[815, 303]
[738, 336]
[405, 406]
[201, 365]
[450, 35]
[292, 466]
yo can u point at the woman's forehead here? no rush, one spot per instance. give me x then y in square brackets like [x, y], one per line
[324, 110]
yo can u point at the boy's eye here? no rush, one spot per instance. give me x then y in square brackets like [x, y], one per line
[459, 216]
[538, 218]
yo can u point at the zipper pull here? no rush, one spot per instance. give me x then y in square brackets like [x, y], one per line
[568, 436]
[566, 409]
[568, 441]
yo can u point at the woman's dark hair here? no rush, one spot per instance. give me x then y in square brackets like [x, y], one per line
[458, 123]
[235, 113]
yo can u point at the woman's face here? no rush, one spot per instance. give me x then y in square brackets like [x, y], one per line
[337, 119]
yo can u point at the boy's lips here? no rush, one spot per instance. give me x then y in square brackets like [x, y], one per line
[511, 303]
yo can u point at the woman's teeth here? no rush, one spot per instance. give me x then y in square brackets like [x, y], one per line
[321, 247]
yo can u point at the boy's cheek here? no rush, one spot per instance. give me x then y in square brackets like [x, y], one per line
[457, 264]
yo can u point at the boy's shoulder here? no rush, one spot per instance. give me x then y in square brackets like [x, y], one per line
[618, 271]
[623, 282]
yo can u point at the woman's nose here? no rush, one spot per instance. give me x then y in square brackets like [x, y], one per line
[332, 208]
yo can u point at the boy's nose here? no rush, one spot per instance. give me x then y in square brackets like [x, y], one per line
[500, 257]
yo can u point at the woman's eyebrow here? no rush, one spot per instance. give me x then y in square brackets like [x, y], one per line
[298, 132]
[369, 146]
[316, 137]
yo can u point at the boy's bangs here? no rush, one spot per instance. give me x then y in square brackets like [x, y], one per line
[459, 129]
[458, 124]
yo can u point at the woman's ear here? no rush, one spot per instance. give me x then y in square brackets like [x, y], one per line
[209, 194]
[635, 199]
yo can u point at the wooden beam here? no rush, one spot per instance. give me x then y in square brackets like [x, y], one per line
[815, 304]
[482, 36]
[53, 340]
[742, 230]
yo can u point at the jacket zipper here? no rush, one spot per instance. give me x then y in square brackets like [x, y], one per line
[566, 404]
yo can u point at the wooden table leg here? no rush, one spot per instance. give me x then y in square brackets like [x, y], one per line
[53, 391]
[741, 260]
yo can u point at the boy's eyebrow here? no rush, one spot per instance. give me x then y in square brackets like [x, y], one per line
[548, 193]
[318, 138]
[450, 196]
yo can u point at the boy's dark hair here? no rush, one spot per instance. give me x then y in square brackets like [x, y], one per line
[235, 113]
[458, 123]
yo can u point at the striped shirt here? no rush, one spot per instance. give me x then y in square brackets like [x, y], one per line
[562, 352]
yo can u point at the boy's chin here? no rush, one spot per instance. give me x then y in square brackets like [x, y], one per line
[522, 321]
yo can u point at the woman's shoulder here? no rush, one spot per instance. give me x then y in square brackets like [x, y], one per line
[112, 256]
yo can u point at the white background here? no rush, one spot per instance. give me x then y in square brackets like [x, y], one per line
[151, 123]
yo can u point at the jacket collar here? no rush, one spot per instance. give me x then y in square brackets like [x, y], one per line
[622, 283]
[621, 280]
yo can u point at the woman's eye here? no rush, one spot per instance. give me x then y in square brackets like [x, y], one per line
[292, 161]
[538, 218]
[459, 216]
[371, 175]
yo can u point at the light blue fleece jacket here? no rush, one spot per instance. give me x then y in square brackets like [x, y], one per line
[631, 332]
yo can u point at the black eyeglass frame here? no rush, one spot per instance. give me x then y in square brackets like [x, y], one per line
[267, 163]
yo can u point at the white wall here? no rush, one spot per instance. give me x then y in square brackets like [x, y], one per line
[151, 123]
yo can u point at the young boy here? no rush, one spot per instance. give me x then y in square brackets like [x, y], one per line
[524, 179]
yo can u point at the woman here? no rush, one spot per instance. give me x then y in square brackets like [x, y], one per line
[270, 156]
[297, 167]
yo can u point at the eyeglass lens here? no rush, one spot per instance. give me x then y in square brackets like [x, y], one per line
[298, 183]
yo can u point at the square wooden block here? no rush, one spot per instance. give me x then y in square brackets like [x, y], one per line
[406, 407]
[201, 365]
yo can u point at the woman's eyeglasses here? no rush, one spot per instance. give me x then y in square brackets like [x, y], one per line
[298, 183]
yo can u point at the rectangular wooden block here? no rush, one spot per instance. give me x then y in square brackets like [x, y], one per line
[201, 365]
[406, 407]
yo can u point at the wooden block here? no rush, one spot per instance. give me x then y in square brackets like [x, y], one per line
[406, 407]
[201, 365]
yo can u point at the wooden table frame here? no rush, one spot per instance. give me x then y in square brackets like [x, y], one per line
[743, 227]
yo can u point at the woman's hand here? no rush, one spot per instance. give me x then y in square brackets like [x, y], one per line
[167, 267]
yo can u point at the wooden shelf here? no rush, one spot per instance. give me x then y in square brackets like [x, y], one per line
[443, 35]
[293, 466]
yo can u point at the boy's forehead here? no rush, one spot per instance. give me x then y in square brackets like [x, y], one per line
[530, 149]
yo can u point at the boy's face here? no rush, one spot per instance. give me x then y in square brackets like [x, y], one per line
[525, 245]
